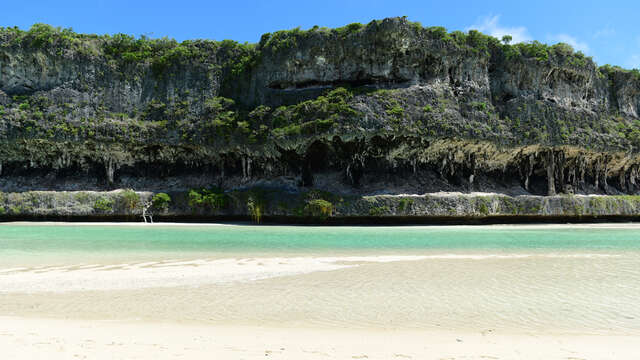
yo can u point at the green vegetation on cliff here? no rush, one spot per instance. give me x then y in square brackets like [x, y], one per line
[218, 120]
[387, 101]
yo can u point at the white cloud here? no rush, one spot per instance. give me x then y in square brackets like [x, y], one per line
[490, 25]
[575, 43]
[634, 62]
[604, 32]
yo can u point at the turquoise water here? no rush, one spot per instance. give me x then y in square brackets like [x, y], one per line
[69, 238]
[583, 279]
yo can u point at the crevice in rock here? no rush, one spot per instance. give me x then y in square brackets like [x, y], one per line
[373, 83]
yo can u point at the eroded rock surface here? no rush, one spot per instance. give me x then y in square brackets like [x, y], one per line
[386, 108]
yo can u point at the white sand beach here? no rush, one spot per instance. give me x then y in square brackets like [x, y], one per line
[34, 339]
[471, 303]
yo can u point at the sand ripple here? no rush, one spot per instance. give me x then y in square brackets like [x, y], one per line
[83, 277]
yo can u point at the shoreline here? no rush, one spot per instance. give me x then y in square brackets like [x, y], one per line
[523, 226]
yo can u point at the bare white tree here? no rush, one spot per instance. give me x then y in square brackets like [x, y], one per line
[146, 211]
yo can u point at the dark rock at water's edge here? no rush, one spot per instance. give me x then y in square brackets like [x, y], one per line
[269, 205]
[291, 125]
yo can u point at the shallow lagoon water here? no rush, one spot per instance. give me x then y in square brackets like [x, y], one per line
[539, 279]
[40, 239]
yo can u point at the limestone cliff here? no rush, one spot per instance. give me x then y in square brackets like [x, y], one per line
[386, 108]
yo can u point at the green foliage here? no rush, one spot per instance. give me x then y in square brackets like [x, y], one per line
[195, 198]
[155, 110]
[161, 54]
[128, 48]
[171, 54]
[221, 117]
[213, 199]
[130, 199]
[534, 49]
[473, 41]
[348, 30]
[598, 204]
[161, 201]
[103, 204]
[482, 206]
[634, 137]
[42, 36]
[242, 58]
[282, 40]
[82, 197]
[478, 41]
[563, 49]
[396, 111]
[217, 105]
[405, 204]
[610, 71]
[564, 133]
[313, 116]
[480, 106]
[319, 208]
[578, 60]
[190, 121]
[560, 52]
[438, 32]
[255, 208]
[379, 210]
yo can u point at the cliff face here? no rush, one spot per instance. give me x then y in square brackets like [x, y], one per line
[389, 107]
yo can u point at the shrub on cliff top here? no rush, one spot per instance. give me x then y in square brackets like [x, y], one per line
[286, 39]
[610, 70]
[41, 36]
[349, 29]
[438, 32]
[563, 49]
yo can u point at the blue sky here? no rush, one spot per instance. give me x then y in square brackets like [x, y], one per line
[607, 31]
